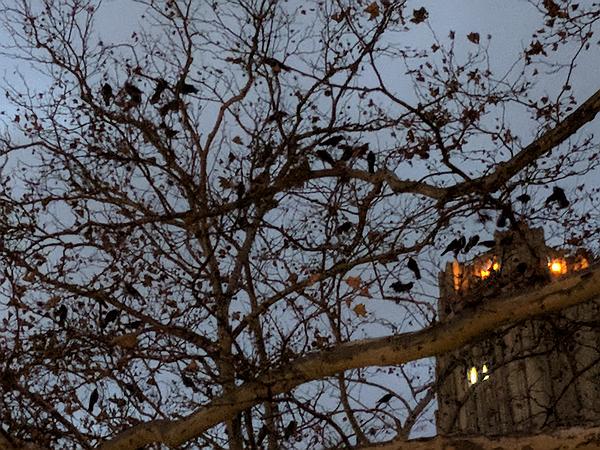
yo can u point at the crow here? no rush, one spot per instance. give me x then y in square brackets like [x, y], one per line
[523, 198]
[276, 116]
[290, 430]
[351, 151]
[488, 244]
[62, 314]
[558, 196]
[188, 382]
[398, 286]
[93, 400]
[186, 88]
[132, 291]
[134, 93]
[333, 140]
[348, 152]
[276, 65]
[240, 191]
[414, 267]
[107, 93]
[161, 85]
[262, 434]
[473, 240]
[385, 398]
[344, 228]
[371, 162]
[455, 246]
[170, 133]
[326, 157]
[504, 217]
[173, 105]
[133, 325]
[111, 316]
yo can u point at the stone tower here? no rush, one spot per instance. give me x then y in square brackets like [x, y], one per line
[538, 374]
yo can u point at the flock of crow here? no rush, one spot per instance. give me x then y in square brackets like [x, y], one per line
[461, 244]
[135, 94]
[456, 246]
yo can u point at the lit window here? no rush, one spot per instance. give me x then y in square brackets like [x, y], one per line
[557, 266]
[457, 275]
[472, 375]
[581, 263]
[485, 268]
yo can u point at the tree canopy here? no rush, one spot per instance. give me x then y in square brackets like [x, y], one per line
[225, 230]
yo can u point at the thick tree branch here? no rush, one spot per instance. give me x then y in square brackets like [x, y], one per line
[390, 350]
[560, 439]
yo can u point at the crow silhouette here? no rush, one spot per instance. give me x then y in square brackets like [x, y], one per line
[398, 286]
[111, 316]
[326, 157]
[333, 140]
[275, 65]
[414, 267]
[62, 314]
[455, 246]
[93, 400]
[173, 105]
[558, 196]
[161, 85]
[290, 430]
[107, 93]
[135, 94]
[488, 244]
[344, 228]
[523, 198]
[186, 88]
[385, 398]
[472, 242]
[371, 162]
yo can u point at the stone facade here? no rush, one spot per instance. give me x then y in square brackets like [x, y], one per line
[539, 374]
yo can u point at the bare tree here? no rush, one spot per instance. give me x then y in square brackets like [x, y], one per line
[201, 225]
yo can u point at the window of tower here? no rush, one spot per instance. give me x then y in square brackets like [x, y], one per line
[475, 375]
[484, 268]
[472, 375]
[557, 266]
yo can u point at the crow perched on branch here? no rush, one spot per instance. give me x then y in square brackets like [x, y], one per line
[326, 157]
[93, 400]
[385, 399]
[414, 267]
[472, 242]
[455, 246]
[333, 140]
[371, 162]
[398, 286]
[161, 85]
[173, 105]
[276, 65]
[134, 92]
[107, 93]
[488, 244]
[184, 88]
[558, 196]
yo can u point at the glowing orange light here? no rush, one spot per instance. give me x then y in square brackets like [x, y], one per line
[457, 275]
[557, 266]
[486, 268]
[581, 263]
[472, 375]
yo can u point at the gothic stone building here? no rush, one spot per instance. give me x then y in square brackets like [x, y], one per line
[539, 374]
